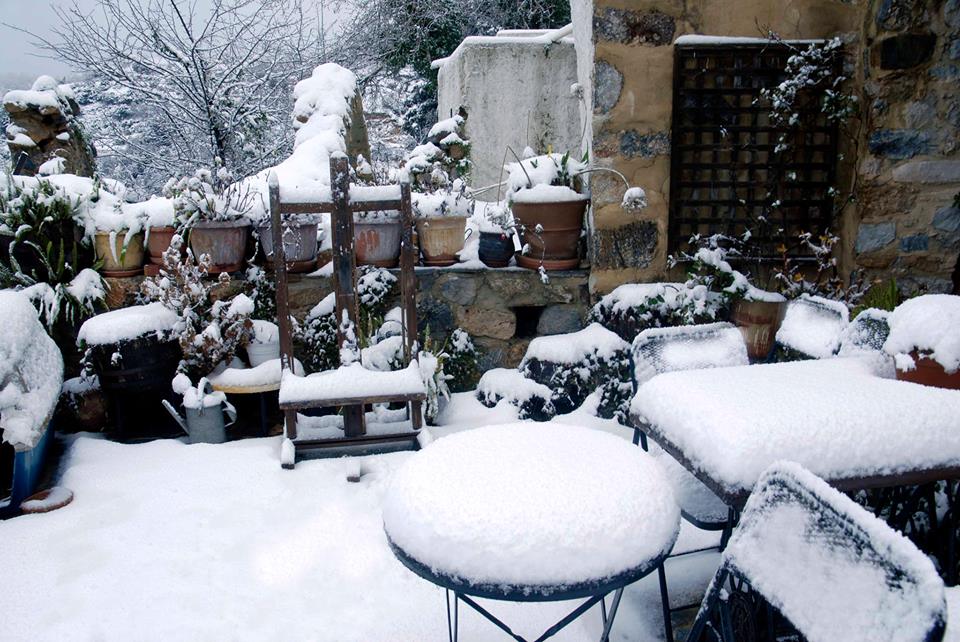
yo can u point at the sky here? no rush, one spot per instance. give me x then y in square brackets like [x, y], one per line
[20, 60]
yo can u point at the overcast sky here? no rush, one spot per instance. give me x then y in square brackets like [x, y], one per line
[19, 58]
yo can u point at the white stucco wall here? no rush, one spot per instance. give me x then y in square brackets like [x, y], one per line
[517, 93]
[581, 13]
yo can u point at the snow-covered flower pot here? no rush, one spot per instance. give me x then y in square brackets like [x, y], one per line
[118, 258]
[441, 239]
[377, 241]
[265, 345]
[224, 241]
[925, 341]
[759, 321]
[299, 244]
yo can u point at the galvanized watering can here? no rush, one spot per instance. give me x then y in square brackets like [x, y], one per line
[204, 424]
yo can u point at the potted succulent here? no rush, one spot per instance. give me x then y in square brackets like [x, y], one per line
[441, 219]
[497, 234]
[215, 210]
[924, 340]
[545, 199]
[119, 241]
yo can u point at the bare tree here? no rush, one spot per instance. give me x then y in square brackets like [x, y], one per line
[218, 85]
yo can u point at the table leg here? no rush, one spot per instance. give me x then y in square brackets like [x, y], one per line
[264, 411]
[665, 603]
[608, 621]
[453, 621]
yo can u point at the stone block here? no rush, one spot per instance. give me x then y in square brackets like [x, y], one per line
[915, 243]
[874, 236]
[627, 27]
[122, 291]
[906, 50]
[947, 219]
[561, 319]
[608, 83]
[628, 246]
[899, 144]
[457, 289]
[496, 323]
[434, 313]
[943, 171]
[633, 144]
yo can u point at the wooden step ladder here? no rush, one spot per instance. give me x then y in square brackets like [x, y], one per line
[341, 387]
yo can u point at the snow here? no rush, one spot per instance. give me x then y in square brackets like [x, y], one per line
[55, 165]
[196, 397]
[265, 331]
[508, 383]
[266, 374]
[540, 170]
[864, 338]
[31, 373]
[834, 416]
[446, 126]
[350, 381]
[56, 496]
[383, 354]
[929, 324]
[833, 569]
[632, 295]
[368, 193]
[814, 326]
[45, 93]
[576, 346]
[634, 199]
[442, 203]
[547, 194]
[754, 293]
[193, 542]
[712, 345]
[699, 39]
[127, 324]
[545, 518]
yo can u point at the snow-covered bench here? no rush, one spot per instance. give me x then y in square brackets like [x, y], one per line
[808, 558]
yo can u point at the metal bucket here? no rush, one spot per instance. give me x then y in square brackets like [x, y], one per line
[204, 425]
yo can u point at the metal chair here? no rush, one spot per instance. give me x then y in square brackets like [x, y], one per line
[812, 329]
[807, 562]
[659, 350]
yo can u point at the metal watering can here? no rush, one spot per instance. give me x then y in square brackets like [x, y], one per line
[204, 425]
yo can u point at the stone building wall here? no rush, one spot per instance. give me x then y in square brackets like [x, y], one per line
[909, 173]
[517, 93]
[633, 82]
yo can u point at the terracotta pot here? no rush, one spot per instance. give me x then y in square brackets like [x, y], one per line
[758, 322]
[496, 249]
[158, 242]
[120, 261]
[299, 245]
[224, 241]
[377, 243]
[441, 238]
[929, 373]
[556, 246]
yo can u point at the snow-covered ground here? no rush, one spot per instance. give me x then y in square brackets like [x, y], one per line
[168, 541]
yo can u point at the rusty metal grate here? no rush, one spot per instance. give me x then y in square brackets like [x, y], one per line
[726, 174]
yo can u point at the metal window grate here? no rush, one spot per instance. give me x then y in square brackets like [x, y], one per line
[726, 174]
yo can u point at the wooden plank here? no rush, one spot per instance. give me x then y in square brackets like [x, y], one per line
[326, 208]
[283, 302]
[357, 402]
[345, 273]
[408, 291]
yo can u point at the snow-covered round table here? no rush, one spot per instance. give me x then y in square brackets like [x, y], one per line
[531, 512]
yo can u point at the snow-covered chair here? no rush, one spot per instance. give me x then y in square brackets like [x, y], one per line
[812, 329]
[659, 350]
[808, 560]
[864, 339]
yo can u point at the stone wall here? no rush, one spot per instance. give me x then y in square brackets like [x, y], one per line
[909, 173]
[633, 81]
[501, 309]
[516, 93]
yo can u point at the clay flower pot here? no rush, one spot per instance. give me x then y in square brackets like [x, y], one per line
[496, 249]
[377, 242]
[555, 247]
[158, 242]
[299, 245]
[929, 372]
[758, 322]
[441, 238]
[225, 242]
[117, 260]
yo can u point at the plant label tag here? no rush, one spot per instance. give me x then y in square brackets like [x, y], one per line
[517, 245]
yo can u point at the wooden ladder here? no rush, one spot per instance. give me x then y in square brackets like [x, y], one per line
[342, 206]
